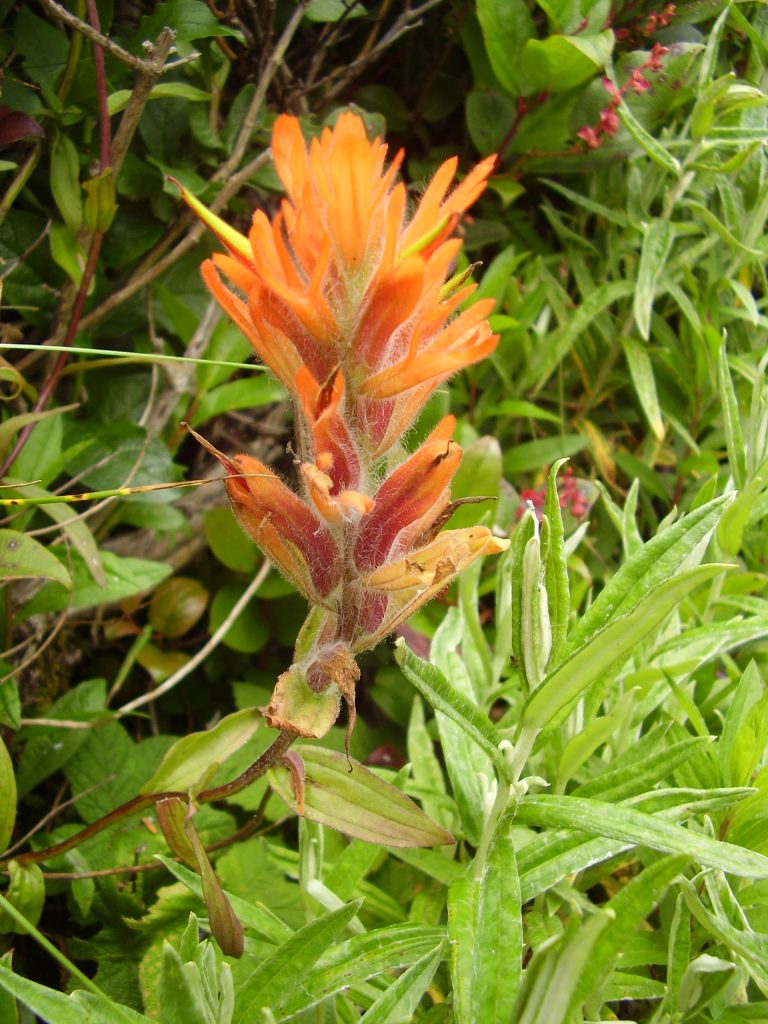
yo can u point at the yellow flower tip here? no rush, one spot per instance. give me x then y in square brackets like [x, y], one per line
[236, 243]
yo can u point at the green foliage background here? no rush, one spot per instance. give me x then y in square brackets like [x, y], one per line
[625, 879]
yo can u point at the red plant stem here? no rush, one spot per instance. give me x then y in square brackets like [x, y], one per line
[74, 322]
[105, 138]
[273, 755]
[105, 149]
[524, 106]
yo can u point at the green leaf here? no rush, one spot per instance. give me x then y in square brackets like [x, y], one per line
[249, 632]
[332, 10]
[7, 797]
[277, 977]
[632, 905]
[469, 770]
[614, 643]
[628, 825]
[556, 568]
[651, 146]
[532, 455]
[228, 541]
[23, 558]
[361, 957]
[56, 1008]
[498, 930]
[731, 421]
[177, 605]
[488, 116]
[479, 475]
[641, 372]
[190, 19]
[254, 915]
[554, 971]
[558, 346]
[506, 25]
[658, 236]
[462, 901]
[65, 182]
[191, 757]
[437, 691]
[71, 523]
[559, 63]
[656, 562]
[400, 1000]
[125, 577]
[26, 892]
[47, 749]
[244, 393]
[357, 802]
[118, 100]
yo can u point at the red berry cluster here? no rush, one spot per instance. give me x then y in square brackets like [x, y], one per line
[594, 135]
[569, 495]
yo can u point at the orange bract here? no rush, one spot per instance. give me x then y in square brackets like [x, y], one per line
[345, 299]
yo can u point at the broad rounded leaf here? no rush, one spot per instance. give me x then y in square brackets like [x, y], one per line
[177, 605]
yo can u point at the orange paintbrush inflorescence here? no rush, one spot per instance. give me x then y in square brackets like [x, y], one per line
[345, 299]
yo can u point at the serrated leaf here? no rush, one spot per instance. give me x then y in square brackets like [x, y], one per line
[357, 802]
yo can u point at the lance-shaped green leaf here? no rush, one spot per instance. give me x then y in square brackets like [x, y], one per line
[644, 382]
[357, 802]
[7, 797]
[50, 1005]
[631, 906]
[729, 404]
[498, 933]
[652, 147]
[629, 825]
[253, 914]
[468, 768]
[361, 957]
[748, 944]
[525, 532]
[462, 902]
[191, 757]
[400, 1000]
[553, 974]
[612, 644]
[22, 557]
[657, 244]
[436, 689]
[277, 977]
[656, 562]
[556, 568]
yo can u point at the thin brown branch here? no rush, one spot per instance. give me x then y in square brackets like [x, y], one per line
[97, 37]
[129, 122]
